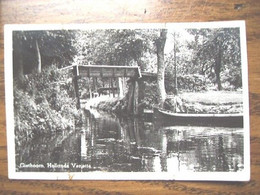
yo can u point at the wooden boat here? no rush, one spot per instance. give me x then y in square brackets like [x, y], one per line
[168, 118]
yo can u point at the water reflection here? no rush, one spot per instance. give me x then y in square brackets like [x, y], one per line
[107, 143]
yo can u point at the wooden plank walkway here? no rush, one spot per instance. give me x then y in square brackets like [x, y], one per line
[107, 71]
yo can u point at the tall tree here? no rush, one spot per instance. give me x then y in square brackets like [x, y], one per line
[217, 54]
[160, 44]
[32, 50]
[39, 61]
[175, 64]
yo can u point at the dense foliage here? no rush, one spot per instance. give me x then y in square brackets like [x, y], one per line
[44, 103]
[216, 54]
[114, 46]
[192, 60]
[211, 53]
[49, 46]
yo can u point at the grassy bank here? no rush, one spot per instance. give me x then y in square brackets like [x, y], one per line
[188, 102]
[208, 102]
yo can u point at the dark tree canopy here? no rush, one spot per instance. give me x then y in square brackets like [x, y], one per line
[54, 47]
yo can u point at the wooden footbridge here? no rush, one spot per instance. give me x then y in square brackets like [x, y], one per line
[134, 74]
[108, 71]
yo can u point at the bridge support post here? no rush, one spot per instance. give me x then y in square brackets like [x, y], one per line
[89, 88]
[112, 86]
[141, 87]
[76, 85]
[130, 98]
[136, 99]
[136, 95]
[120, 87]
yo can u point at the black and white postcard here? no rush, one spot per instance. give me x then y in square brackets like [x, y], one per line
[127, 101]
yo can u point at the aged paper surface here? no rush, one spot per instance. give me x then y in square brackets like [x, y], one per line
[79, 101]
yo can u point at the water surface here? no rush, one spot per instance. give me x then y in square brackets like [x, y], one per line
[108, 143]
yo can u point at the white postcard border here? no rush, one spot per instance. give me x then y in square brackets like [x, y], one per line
[213, 176]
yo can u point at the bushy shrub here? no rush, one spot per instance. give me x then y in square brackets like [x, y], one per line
[150, 95]
[192, 82]
[188, 83]
[174, 104]
[43, 103]
[231, 79]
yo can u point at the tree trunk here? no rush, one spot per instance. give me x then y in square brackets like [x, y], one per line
[175, 68]
[217, 68]
[160, 43]
[19, 70]
[39, 63]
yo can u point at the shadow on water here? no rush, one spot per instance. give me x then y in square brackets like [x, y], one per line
[108, 143]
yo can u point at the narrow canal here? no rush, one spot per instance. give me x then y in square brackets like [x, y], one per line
[108, 143]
